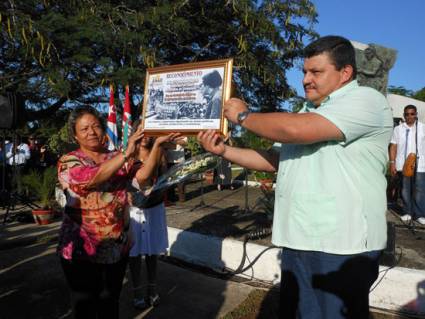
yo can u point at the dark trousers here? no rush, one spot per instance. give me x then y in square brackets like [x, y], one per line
[95, 288]
[317, 285]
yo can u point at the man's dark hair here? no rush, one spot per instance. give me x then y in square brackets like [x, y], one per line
[410, 107]
[212, 79]
[80, 111]
[340, 50]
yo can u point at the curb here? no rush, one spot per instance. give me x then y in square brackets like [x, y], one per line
[396, 289]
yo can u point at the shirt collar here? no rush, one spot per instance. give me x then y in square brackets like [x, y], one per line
[407, 126]
[335, 94]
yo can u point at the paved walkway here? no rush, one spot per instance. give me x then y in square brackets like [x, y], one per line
[32, 283]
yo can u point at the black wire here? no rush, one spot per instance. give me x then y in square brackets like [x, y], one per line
[256, 234]
[388, 269]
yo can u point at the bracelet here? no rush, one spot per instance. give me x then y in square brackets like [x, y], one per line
[125, 156]
[392, 162]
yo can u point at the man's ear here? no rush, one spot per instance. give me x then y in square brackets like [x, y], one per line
[347, 73]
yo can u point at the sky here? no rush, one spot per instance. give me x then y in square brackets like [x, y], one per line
[396, 24]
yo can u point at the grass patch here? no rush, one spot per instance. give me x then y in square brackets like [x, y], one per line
[260, 304]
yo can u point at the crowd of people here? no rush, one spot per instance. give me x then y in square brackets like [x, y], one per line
[330, 209]
[19, 155]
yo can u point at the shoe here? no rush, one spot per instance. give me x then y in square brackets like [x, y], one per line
[154, 300]
[140, 303]
[219, 188]
[406, 218]
[421, 220]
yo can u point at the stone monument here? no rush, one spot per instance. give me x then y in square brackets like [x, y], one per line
[373, 65]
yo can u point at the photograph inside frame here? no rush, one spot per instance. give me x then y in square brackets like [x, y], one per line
[187, 97]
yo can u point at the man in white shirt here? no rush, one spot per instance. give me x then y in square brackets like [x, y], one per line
[403, 142]
[17, 155]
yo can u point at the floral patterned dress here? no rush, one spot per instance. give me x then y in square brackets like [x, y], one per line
[95, 221]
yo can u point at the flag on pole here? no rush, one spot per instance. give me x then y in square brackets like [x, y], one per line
[111, 128]
[126, 119]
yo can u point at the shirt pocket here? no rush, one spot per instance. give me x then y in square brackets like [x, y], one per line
[315, 214]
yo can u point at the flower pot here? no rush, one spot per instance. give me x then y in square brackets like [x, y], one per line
[43, 216]
[266, 184]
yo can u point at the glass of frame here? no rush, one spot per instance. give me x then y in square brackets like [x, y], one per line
[187, 98]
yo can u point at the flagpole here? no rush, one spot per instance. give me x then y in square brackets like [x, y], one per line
[111, 129]
[126, 127]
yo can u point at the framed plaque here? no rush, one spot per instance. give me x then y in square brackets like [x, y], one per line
[187, 98]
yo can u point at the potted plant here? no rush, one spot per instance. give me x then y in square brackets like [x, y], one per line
[265, 179]
[42, 186]
[265, 203]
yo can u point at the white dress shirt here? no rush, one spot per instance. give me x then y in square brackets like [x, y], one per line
[399, 138]
[22, 155]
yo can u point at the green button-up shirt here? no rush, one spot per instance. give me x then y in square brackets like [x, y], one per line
[330, 196]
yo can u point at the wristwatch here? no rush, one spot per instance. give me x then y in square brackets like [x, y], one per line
[242, 116]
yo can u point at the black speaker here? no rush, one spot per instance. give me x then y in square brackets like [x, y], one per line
[388, 257]
[11, 107]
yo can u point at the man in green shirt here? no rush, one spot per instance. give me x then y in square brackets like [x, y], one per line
[330, 195]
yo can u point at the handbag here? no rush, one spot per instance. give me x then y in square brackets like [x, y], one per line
[409, 165]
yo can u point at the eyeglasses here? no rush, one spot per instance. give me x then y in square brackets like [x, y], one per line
[408, 114]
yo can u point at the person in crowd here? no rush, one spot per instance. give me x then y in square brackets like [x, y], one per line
[330, 204]
[148, 224]
[211, 84]
[409, 137]
[17, 153]
[174, 155]
[34, 147]
[17, 157]
[93, 241]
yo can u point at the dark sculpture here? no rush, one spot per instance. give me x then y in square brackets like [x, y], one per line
[373, 66]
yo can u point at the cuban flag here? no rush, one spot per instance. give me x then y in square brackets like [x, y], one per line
[111, 128]
[126, 119]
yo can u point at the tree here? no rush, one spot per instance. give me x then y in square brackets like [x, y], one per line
[419, 95]
[401, 90]
[67, 52]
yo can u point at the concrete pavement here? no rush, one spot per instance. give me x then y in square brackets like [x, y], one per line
[32, 284]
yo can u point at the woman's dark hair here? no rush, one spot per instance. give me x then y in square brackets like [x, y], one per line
[80, 111]
[340, 50]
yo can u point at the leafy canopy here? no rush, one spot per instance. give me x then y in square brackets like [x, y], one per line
[65, 52]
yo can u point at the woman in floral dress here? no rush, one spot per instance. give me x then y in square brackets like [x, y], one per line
[93, 243]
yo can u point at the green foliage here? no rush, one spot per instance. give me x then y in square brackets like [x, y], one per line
[264, 175]
[194, 146]
[60, 142]
[399, 90]
[297, 104]
[265, 203]
[419, 95]
[67, 52]
[42, 185]
[251, 140]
